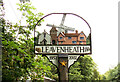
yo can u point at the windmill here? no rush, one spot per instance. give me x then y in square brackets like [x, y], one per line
[61, 27]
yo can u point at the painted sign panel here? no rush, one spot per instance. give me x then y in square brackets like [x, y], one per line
[62, 33]
[71, 59]
[63, 49]
[53, 59]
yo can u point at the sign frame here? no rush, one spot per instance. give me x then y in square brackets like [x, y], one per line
[66, 45]
[63, 59]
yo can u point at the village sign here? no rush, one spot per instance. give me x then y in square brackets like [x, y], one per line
[61, 40]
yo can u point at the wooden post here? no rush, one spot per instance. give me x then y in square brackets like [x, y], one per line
[63, 67]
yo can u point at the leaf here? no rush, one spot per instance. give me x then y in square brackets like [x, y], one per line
[23, 14]
[4, 42]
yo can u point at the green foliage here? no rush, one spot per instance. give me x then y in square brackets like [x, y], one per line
[18, 59]
[113, 74]
[84, 69]
[52, 73]
[29, 12]
[96, 75]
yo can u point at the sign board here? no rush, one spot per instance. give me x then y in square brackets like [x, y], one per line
[62, 38]
[63, 49]
[71, 59]
[57, 36]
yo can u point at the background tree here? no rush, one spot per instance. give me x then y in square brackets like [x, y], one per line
[1, 25]
[96, 75]
[113, 74]
[18, 59]
[53, 73]
[84, 69]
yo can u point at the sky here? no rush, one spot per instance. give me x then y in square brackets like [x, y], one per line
[71, 21]
[102, 16]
